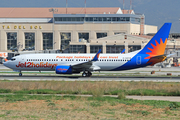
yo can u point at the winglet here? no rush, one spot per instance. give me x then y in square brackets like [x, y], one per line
[123, 51]
[96, 56]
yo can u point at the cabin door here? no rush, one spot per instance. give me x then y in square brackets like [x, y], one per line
[138, 60]
[23, 58]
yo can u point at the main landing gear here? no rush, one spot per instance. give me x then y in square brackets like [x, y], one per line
[86, 74]
[20, 74]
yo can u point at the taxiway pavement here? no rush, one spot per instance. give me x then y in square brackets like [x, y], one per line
[144, 72]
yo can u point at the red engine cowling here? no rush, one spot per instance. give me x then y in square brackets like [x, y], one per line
[62, 69]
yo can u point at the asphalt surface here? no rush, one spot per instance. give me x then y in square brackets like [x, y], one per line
[163, 98]
[92, 78]
[141, 74]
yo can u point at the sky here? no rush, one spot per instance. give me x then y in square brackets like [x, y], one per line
[156, 12]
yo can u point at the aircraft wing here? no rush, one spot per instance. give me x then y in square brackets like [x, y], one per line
[86, 65]
[82, 66]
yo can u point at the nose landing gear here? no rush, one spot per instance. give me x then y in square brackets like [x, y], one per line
[86, 74]
[20, 74]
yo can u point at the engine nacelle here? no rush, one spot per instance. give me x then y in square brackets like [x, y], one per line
[62, 69]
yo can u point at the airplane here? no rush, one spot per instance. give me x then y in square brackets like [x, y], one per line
[151, 54]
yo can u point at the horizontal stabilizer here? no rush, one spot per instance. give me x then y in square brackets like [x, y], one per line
[170, 55]
[156, 59]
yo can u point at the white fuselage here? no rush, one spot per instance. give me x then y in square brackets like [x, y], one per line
[48, 62]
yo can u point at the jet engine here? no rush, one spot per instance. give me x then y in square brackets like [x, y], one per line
[63, 69]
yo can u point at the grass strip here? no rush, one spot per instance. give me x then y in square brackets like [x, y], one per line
[95, 88]
[142, 92]
[94, 101]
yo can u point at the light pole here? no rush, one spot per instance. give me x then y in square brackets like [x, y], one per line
[54, 44]
[18, 46]
[53, 10]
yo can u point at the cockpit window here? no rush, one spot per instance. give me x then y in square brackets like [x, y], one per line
[12, 59]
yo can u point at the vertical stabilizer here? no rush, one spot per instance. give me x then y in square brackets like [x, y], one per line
[156, 46]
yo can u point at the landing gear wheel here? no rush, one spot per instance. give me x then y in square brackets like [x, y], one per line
[20, 74]
[84, 74]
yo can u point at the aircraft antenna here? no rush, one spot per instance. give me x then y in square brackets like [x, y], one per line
[66, 6]
[85, 6]
[123, 4]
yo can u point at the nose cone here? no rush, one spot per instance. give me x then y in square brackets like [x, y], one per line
[5, 63]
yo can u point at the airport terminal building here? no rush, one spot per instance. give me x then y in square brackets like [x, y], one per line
[73, 30]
